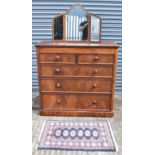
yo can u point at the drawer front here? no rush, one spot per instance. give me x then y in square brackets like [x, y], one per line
[58, 58]
[77, 85]
[63, 102]
[84, 59]
[74, 70]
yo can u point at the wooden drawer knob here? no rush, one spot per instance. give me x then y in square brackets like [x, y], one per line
[94, 85]
[94, 101]
[96, 58]
[57, 70]
[58, 85]
[57, 57]
[59, 101]
[95, 71]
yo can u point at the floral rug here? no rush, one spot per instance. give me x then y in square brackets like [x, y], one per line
[77, 135]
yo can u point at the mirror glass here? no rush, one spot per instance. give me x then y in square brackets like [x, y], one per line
[76, 28]
[95, 29]
[58, 28]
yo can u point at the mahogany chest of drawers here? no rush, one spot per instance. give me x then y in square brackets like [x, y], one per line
[76, 79]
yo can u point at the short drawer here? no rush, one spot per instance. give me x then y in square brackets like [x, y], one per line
[84, 59]
[76, 102]
[75, 70]
[58, 58]
[76, 85]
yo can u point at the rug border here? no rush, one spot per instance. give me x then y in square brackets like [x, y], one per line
[110, 129]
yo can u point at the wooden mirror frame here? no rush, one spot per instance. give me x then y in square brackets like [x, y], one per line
[64, 27]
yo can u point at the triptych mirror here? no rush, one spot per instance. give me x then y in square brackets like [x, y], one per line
[76, 25]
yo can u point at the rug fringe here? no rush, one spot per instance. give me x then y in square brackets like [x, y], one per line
[41, 132]
[113, 137]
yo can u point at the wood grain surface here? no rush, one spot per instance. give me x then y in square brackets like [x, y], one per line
[77, 80]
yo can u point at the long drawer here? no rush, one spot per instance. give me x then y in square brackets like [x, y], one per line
[75, 70]
[76, 85]
[67, 102]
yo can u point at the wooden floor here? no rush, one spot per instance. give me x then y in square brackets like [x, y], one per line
[37, 122]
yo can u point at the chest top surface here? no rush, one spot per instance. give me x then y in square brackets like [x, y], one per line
[77, 44]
